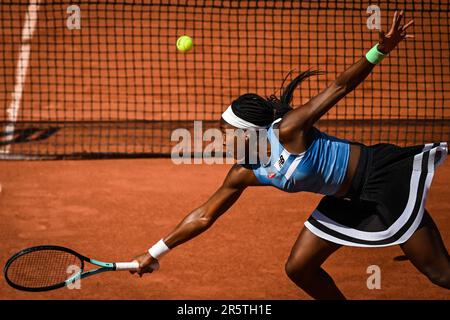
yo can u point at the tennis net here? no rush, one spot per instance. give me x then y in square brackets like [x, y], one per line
[104, 78]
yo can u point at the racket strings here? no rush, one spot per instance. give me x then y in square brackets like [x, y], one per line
[43, 268]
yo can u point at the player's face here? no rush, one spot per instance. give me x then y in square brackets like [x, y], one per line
[233, 140]
[239, 144]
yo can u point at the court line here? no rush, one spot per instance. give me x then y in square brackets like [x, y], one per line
[21, 72]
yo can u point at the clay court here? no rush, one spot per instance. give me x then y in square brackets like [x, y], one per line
[114, 209]
[109, 95]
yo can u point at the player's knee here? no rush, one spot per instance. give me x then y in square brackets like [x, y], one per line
[299, 273]
[439, 276]
[438, 272]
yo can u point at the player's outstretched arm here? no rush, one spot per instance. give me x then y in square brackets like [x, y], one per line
[202, 218]
[301, 119]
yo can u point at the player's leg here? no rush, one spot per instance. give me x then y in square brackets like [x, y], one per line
[426, 250]
[303, 266]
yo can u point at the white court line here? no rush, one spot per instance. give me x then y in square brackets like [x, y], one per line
[21, 72]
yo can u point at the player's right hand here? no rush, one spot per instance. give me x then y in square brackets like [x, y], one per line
[146, 264]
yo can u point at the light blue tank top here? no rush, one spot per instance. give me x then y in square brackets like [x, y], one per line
[319, 169]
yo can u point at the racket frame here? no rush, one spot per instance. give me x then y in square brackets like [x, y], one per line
[104, 266]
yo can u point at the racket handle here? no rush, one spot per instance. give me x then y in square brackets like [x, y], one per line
[134, 265]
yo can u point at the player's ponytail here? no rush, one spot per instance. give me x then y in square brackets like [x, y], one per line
[283, 105]
[260, 111]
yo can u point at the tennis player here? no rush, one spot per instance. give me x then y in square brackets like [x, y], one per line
[374, 196]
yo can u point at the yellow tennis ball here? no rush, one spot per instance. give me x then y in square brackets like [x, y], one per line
[184, 43]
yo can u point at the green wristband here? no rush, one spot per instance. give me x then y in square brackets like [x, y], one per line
[374, 56]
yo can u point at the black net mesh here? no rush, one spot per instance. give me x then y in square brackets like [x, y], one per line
[118, 85]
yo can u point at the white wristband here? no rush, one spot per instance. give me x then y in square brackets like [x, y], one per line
[158, 250]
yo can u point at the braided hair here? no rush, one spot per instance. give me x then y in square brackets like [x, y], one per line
[263, 111]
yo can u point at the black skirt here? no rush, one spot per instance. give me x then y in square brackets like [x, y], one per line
[386, 201]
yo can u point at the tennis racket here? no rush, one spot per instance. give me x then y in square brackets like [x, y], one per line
[49, 267]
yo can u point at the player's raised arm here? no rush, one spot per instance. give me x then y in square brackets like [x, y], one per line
[304, 117]
[202, 218]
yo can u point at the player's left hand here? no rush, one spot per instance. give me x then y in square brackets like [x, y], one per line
[396, 34]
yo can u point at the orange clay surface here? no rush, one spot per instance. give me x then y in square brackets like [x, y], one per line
[112, 210]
